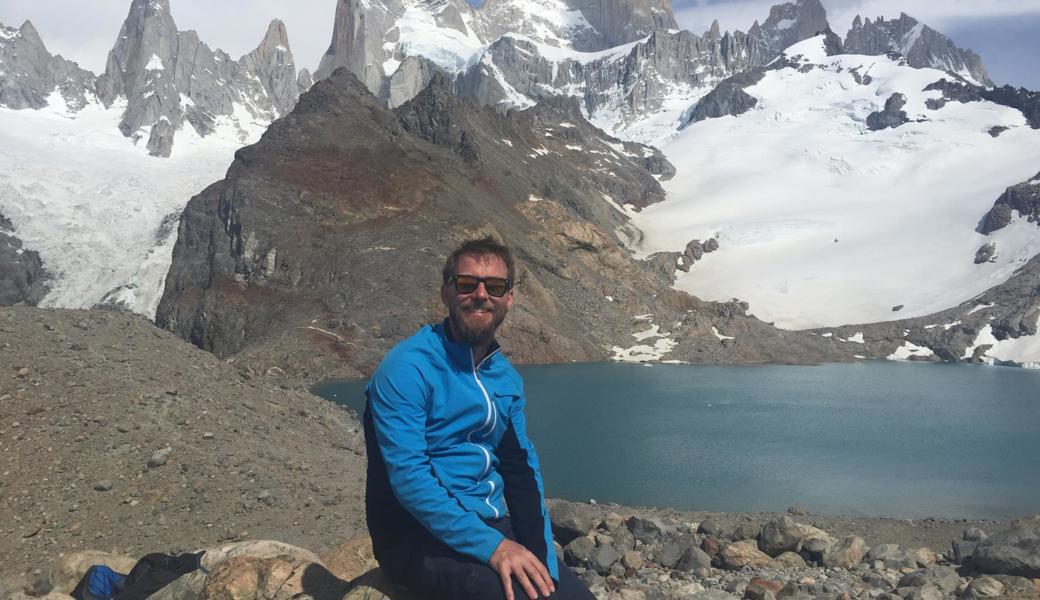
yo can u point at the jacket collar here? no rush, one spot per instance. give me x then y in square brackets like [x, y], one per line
[462, 353]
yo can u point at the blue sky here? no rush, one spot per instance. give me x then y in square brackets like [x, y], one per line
[1005, 32]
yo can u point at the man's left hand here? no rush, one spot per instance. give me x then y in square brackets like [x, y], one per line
[510, 559]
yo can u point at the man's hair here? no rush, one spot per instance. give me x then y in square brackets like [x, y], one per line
[481, 247]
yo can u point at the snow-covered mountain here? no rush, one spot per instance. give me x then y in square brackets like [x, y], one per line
[822, 220]
[837, 180]
[79, 182]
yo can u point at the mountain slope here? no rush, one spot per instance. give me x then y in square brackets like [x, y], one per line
[822, 220]
[323, 244]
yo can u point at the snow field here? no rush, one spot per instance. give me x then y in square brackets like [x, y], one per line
[93, 204]
[822, 222]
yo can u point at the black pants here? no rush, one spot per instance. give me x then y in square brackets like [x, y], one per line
[423, 564]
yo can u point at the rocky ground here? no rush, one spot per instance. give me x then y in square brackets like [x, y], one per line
[119, 437]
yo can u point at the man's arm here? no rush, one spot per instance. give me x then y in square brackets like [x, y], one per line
[519, 467]
[397, 400]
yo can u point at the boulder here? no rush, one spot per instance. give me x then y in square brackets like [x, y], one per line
[783, 534]
[1012, 552]
[647, 530]
[603, 557]
[942, 577]
[711, 546]
[963, 551]
[673, 549]
[694, 560]
[351, 559]
[745, 553]
[65, 573]
[790, 560]
[578, 553]
[925, 592]
[192, 585]
[709, 527]
[572, 519]
[713, 595]
[925, 557]
[762, 589]
[278, 578]
[893, 556]
[849, 551]
[375, 586]
[986, 587]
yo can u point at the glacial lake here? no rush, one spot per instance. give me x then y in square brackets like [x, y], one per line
[870, 439]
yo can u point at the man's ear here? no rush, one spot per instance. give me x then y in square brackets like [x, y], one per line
[509, 298]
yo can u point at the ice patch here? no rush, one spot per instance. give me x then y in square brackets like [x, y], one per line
[642, 352]
[856, 338]
[979, 307]
[154, 64]
[649, 333]
[909, 349]
[721, 337]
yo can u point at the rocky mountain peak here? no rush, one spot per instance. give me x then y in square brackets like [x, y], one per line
[792, 22]
[714, 32]
[921, 45]
[272, 63]
[29, 74]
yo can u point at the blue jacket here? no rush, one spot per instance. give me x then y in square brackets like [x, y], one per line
[448, 450]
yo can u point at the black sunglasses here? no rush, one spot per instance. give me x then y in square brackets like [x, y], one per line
[467, 284]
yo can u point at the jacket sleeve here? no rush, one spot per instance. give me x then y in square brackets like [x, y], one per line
[398, 399]
[522, 486]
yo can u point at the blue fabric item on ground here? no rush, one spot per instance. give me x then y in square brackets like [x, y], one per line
[100, 582]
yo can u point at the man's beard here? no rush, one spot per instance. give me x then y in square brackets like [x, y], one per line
[475, 334]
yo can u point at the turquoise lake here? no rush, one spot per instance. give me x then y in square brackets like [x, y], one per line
[872, 439]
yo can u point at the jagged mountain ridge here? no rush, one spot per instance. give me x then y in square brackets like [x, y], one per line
[160, 78]
[921, 45]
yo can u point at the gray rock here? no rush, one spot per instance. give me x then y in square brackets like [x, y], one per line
[673, 549]
[963, 550]
[921, 45]
[103, 486]
[1012, 552]
[974, 534]
[846, 553]
[727, 98]
[579, 551]
[647, 530]
[892, 116]
[414, 74]
[1023, 197]
[603, 558]
[893, 555]
[985, 254]
[713, 595]
[22, 276]
[30, 74]
[572, 520]
[780, 535]
[942, 577]
[709, 527]
[986, 587]
[1015, 583]
[694, 560]
[159, 457]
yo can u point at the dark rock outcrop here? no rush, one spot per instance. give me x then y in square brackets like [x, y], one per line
[1023, 197]
[985, 253]
[22, 277]
[1021, 99]
[728, 98]
[921, 45]
[892, 116]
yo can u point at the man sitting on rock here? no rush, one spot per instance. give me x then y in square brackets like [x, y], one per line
[448, 454]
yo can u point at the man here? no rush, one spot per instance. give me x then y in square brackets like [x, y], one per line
[449, 455]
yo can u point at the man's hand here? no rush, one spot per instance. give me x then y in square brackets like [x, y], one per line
[512, 559]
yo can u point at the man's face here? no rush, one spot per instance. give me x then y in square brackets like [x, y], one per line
[476, 316]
